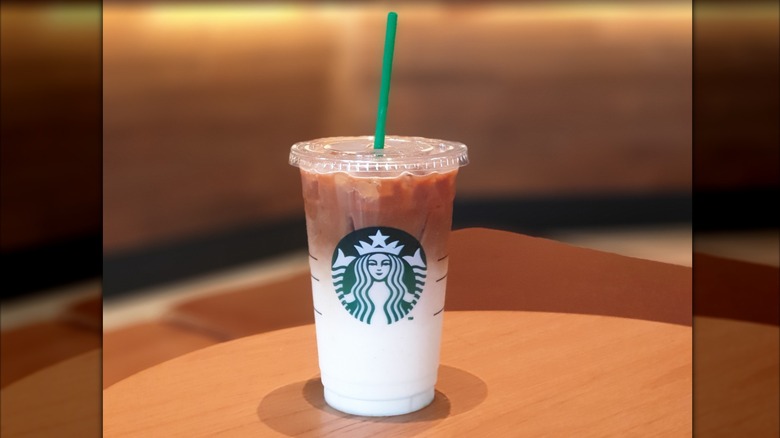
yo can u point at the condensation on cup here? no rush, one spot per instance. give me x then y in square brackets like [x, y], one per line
[378, 225]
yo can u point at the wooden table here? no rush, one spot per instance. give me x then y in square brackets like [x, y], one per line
[737, 348]
[62, 400]
[503, 373]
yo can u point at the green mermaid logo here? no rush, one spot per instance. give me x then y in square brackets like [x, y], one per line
[371, 275]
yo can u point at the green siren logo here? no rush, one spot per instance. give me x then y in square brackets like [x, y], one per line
[379, 270]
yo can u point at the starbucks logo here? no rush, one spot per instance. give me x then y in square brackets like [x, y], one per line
[379, 274]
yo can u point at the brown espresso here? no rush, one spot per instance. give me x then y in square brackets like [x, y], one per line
[338, 203]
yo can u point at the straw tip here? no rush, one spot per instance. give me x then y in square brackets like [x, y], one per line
[391, 15]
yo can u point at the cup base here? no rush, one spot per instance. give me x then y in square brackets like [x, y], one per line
[378, 408]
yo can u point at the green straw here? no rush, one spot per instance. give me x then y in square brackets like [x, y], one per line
[384, 91]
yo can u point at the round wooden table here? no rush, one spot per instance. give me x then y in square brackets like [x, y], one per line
[503, 373]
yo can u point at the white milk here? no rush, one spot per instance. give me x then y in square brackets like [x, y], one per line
[378, 369]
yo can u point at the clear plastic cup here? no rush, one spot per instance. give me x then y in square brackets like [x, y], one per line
[378, 225]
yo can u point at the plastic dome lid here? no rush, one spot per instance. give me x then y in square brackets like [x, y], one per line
[356, 155]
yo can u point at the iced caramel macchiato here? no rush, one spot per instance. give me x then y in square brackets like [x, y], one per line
[378, 226]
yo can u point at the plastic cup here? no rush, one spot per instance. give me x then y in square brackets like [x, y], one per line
[378, 225]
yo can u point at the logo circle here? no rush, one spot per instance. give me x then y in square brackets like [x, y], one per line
[378, 274]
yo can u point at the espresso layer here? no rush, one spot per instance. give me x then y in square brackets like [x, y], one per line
[338, 203]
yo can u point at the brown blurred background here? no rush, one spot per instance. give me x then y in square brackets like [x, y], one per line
[51, 145]
[202, 102]
[576, 114]
[559, 103]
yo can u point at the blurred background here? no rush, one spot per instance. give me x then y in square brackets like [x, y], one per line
[576, 115]
[579, 119]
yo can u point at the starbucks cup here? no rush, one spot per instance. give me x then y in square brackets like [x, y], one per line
[378, 226]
